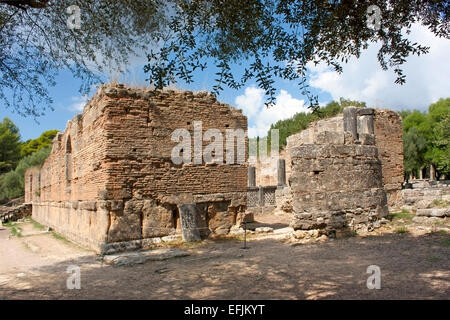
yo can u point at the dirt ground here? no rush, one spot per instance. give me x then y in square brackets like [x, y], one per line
[414, 264]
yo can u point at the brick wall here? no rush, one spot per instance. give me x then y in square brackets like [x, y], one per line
[110, 177]
[389, 141]
[139, 145]
[336, 180]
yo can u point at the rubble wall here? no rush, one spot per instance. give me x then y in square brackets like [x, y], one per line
[389, 141]
[336, 176]
[115, 181]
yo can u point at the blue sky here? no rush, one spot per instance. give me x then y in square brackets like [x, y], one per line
[428, 79]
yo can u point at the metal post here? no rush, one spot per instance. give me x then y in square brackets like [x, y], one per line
[245, 235]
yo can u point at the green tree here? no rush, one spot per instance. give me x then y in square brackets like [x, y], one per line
[9, 145]
[34, 145]
[12, 183]
[438, 152]
[278, 39]
[414, 149]
[426, 138]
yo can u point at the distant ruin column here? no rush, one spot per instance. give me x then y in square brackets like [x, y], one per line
[421, 173]
[281, 172]
[370, 124]
[261, 196]
[432, 173]
[251, 176]
[365, 120]
[350, 123]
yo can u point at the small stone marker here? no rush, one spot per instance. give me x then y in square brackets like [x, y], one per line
[189, 223]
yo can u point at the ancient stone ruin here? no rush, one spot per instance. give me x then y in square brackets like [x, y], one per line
[429, 199]
[340, 172]
[110, 183]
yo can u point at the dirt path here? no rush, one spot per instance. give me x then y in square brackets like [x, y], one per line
[412, 266]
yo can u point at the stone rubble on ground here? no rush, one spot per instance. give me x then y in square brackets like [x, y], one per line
[139, 257]
[264, 230]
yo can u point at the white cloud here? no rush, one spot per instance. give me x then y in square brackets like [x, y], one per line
[427, 76]
[78, 103]
[260, 117]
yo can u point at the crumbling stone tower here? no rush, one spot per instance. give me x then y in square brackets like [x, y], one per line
[336, 177]
[110, 182]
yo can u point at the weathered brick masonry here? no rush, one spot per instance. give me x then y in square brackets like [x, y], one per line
[110, 178]
[343, 167]
[389, 141]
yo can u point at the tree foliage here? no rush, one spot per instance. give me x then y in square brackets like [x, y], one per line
[426, 138]
[35, 43]
[280, 38]
[34, 145]
[12, 183]
[9, 145]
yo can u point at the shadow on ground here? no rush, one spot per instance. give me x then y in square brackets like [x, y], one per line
[411, 268]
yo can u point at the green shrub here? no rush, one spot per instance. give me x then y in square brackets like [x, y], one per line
[401, 230]
[12, 183]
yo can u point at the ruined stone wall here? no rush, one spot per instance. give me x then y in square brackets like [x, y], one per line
[336, 186]
[387, 127]
[119, 184]
[389, 141]
[8, 214]
[266, 169]
[336, 179]
[32, 182]
[309, 135]
[75, 169]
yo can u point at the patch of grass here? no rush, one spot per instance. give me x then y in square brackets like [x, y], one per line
[446, 243]
[405, 211]
[192, 244]
[401, 230]
[37, 225]
[401, 215]
[438, 223]
[352, 234]
[444, 232]
[59, 237]
[16, 231]
[433, 259]
[441, 203]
